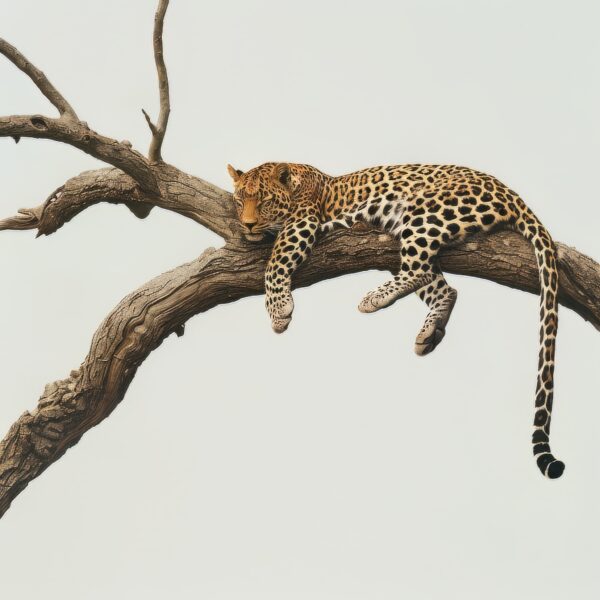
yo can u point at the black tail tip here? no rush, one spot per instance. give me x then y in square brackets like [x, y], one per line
[548, 465]
[555, 469]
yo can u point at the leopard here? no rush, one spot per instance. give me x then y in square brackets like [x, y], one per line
[425, 208]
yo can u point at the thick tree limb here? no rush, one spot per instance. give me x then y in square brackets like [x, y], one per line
[159, 130]
[505, 258]
[138, 325]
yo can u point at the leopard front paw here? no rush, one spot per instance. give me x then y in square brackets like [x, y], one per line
[280, 325]
[369, 304]
[429, 337]
[380, 298]
[280, 312]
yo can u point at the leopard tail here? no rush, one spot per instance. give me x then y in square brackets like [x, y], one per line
[530, 227]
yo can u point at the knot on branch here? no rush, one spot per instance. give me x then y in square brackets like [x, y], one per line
[56, 392]
[39, 123]
[140, 209]
[61, 403]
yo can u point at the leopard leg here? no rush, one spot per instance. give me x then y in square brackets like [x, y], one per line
[413, 275]
[440, 299]
[291, 248]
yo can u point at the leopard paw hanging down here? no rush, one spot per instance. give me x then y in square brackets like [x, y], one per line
[425, 208]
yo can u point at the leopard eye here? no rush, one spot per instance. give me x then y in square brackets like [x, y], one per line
[264, 202]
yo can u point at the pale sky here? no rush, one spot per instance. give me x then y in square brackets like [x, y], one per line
[329, 462]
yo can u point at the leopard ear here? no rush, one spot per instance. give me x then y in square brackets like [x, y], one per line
[234, 173]
[282, 174]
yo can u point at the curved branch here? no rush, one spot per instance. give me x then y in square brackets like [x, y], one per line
[78, 134]
[70, 130]
[159, 130]
[188, 196]
[77, 194]
[38, 78]
[139, 324]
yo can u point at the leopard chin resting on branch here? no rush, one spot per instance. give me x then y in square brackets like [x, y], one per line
[432, 214]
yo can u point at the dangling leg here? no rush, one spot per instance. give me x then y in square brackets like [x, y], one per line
[440, 299]
[414, 274]
[418, 273]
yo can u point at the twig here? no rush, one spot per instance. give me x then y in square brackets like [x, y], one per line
[150, 123]
[40, 80]
[159, 130]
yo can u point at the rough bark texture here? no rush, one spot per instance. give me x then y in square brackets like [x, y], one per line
[142, 320]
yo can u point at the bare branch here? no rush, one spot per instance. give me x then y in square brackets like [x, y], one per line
[70, 130]
[159, 130]
[40, 80]
[188, 196]
[26, 218]
[88, 188]
[151, 125]
[78, 134]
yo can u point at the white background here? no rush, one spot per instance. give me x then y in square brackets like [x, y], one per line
[329, 462]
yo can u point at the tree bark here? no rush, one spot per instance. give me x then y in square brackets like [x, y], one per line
[140, 322]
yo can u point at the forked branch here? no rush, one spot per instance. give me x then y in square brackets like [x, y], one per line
[69, 129]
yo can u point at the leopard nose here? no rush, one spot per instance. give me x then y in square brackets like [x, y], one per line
[250, 224]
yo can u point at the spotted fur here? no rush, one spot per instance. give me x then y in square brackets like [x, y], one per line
[424, 207]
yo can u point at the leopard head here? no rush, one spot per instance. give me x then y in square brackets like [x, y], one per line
[263, 198]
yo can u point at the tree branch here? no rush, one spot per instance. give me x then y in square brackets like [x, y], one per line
[159, 130]
[505, 258]
[189, 196]
[79, 135]
[141, 321]
[70, 130]
[151, 125]
[77, 194]
[38, 78]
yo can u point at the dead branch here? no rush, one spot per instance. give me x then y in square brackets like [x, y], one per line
[40, 80]
[189, 196]
[68, 129]
[159, 130]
